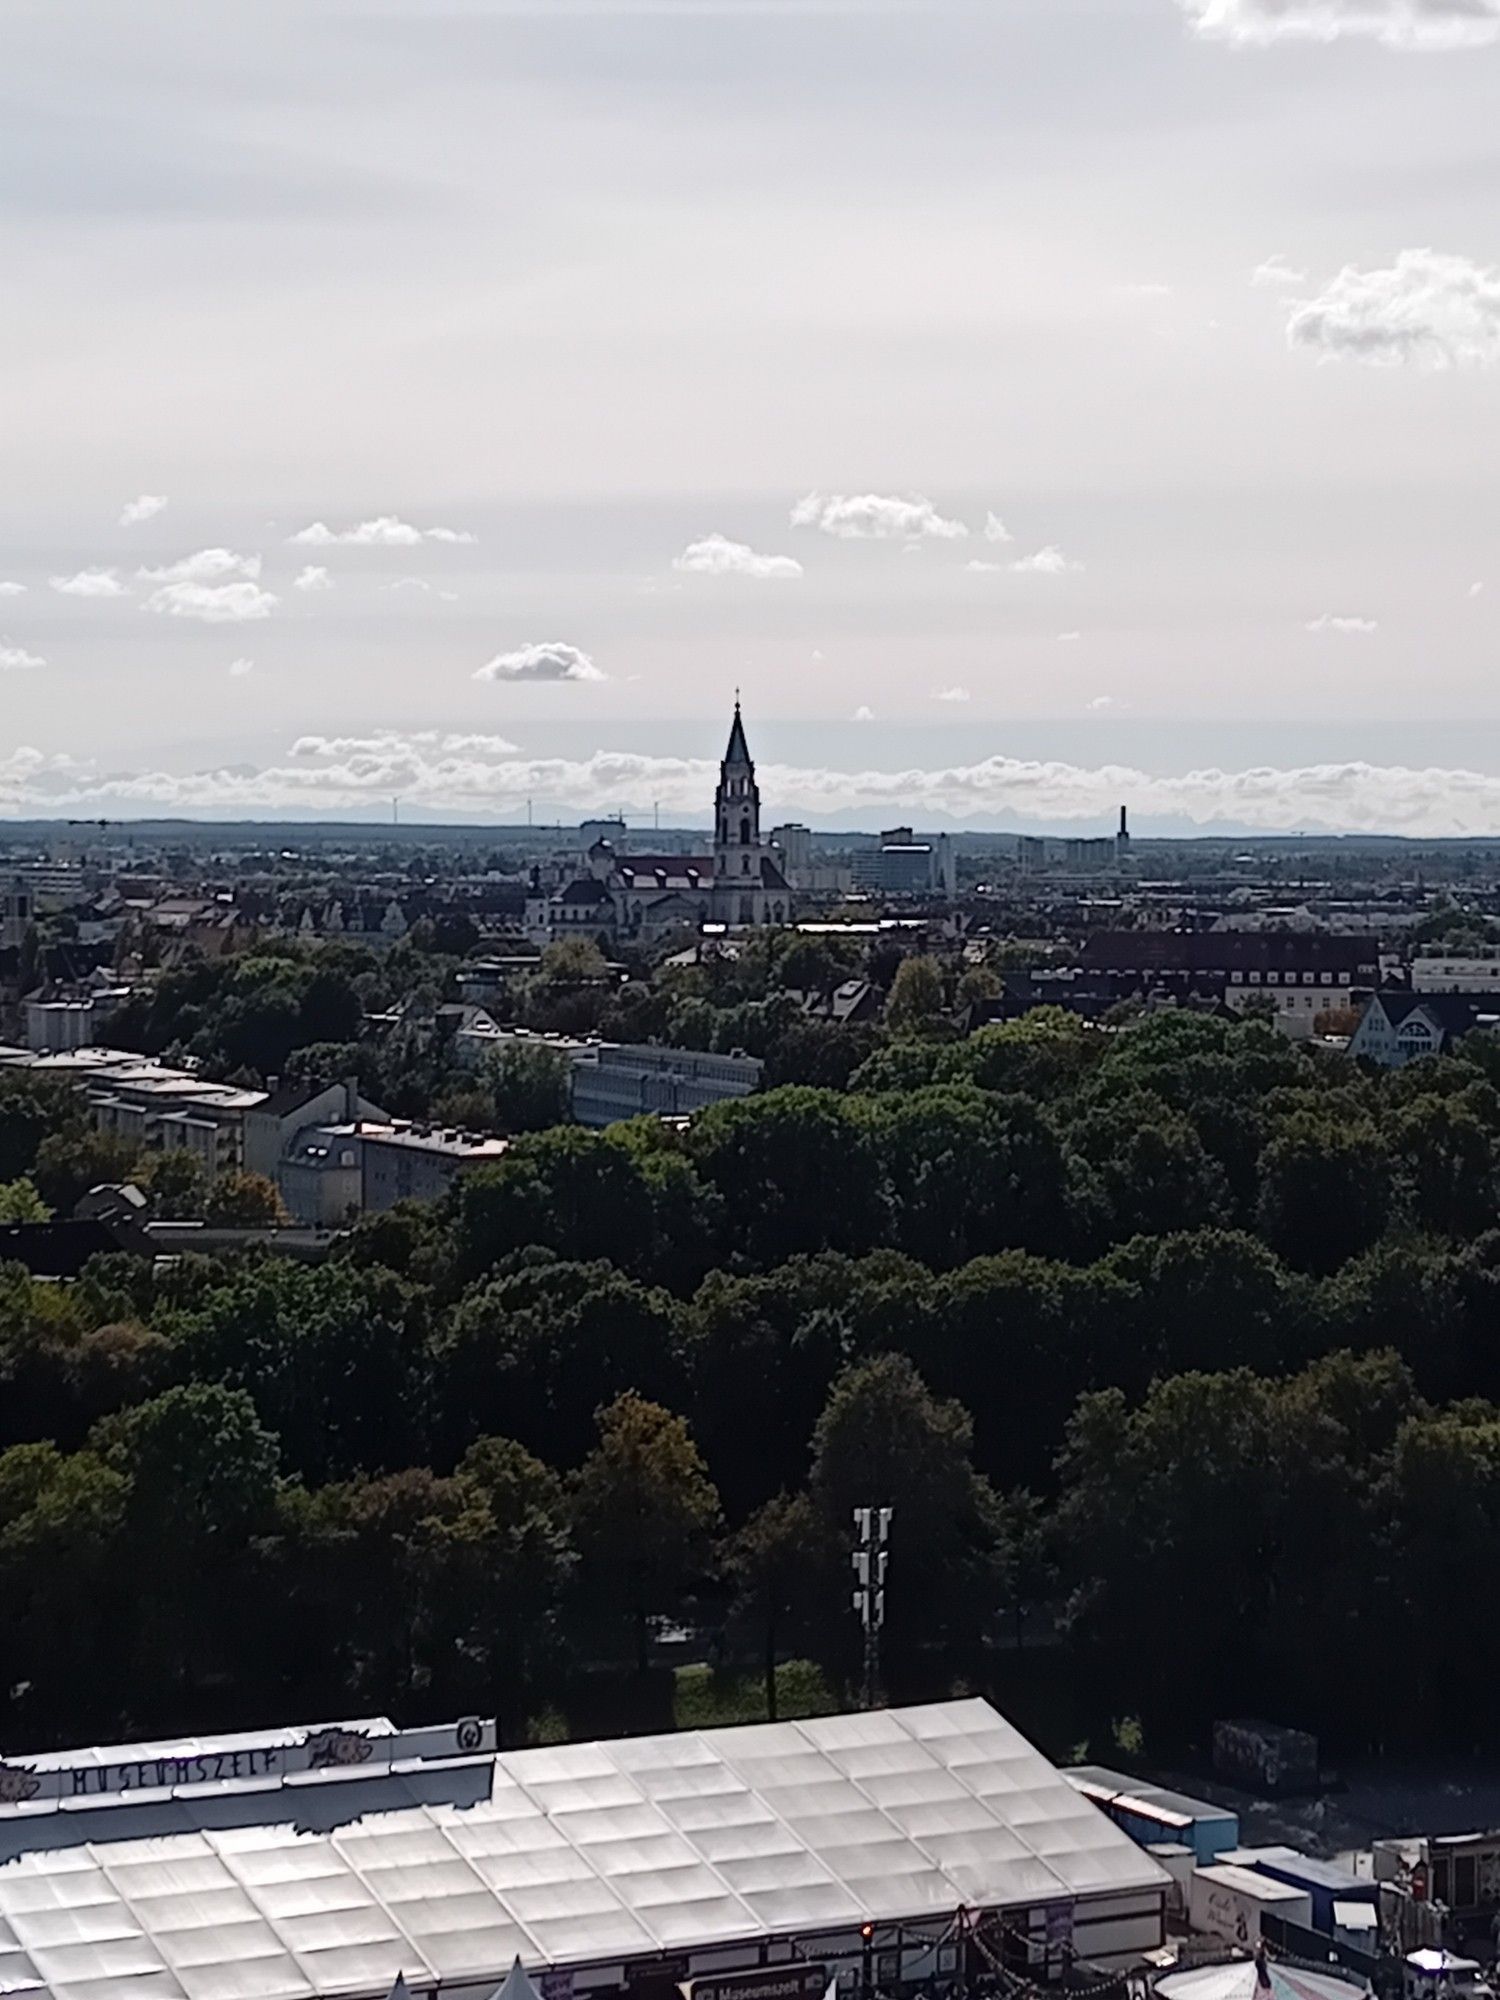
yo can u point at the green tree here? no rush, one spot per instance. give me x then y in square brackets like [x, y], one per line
[645, 1511]
[885, 1440]
[526, 1557]
[1153, 1171]
[779, 1562]
[530, 1086]
[1445, 1150]
[71, 1161]
[1324, 1191]
[334, 1356]
[794, 1169]
[174, 1183]
[202, 1475]
[240, 1200]
[967, 1172]
[31, 1107]
[915, 1001]
[62, 1564]
[569, 1190]
[540, 1349]
[1044, 1055]
[20, 1202]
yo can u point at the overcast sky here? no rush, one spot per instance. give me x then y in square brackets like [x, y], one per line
[1031, 404]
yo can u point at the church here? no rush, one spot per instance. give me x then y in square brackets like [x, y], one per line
[639, 898]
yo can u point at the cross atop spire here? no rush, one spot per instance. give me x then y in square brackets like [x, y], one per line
[739, 750]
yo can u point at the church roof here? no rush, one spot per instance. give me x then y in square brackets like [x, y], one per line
[739, 750]
[665, 871]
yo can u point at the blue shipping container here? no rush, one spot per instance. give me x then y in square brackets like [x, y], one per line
[1324, 1882]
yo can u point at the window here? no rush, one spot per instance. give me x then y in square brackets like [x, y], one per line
[1255, 979]
[1273, 979]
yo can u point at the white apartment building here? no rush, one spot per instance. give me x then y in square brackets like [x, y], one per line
[150, 1105]
[1456, 975]
[405, 1161]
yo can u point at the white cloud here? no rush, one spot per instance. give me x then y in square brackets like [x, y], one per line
[1102, 702]
[951, 694]
[207, 566]
[405, 743]
[312, 576]
[475, 774]
[12, 590]
[1275, 273]
[1429, 308]
[420, 583]
[90, 583]
[1399, 24]
[995, 529]
[716, 555]
[547, 660]
[1144, 291]
[875, 517]
[384, 532]
[980, 567]
[15, 659]
[145, 507]
[1330, 622]
[1476, 590]
[240, 667]
[212, 603]
[1049, 561]
[1068, 638]
[864, 713]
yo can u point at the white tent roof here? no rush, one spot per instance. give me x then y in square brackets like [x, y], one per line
[577, 1854]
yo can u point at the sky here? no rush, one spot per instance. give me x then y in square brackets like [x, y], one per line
[1031, 406]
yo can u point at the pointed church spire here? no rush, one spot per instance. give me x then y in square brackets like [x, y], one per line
[739, 750]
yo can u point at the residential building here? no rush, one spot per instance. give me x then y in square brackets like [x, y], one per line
[59, 1024]
[288, 1108]
[629, 1080]
[149, 1105]
[850, 1004]
[1301, 974]
[1456, 975]
[403, 1161]
[73, 1017]
[1398, 1026]
[321, 1175]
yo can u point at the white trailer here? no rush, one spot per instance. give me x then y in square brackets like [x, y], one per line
[1229, 1902]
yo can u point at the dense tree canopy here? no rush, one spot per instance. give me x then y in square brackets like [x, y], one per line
[1168, 1328]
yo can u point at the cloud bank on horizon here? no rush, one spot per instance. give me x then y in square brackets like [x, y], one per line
[1399, 24]
[486, 776]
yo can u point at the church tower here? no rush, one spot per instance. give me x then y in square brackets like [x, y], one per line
[739, 887]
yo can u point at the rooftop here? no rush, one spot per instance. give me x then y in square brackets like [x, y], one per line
[327, 1861]
[446, 1140]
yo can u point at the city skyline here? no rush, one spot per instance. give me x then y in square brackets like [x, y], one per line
[1032, 406]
